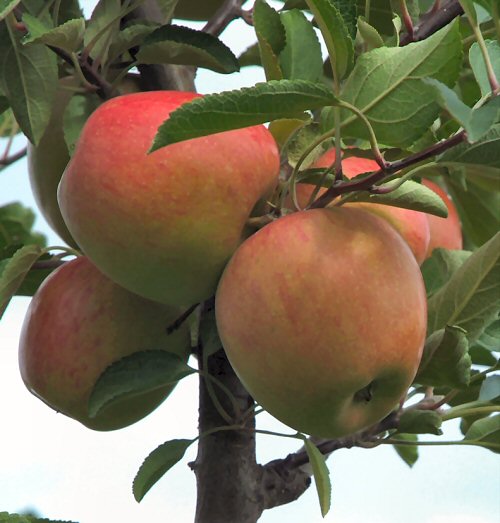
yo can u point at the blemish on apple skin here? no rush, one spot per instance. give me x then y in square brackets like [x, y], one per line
[365, 394]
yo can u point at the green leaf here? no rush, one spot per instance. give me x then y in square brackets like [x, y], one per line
[173, 44]
[7, 6]
[386, 85]
[409, 195]
[481, 356]
[14, 271]
[321, 476]
[490, 389]
[68, 36]
[134, 375]
[478, 66]
[301, 57]
[438, 269]
[479, 210]
[445, 361]
[476, 122]
[77, 112]
[415, 421]
[103, 27]
[157, 464]
[471, 298]
[371, 37]
[299, 142]
[16, 222]
[271, 38]
[167, 8]
[4, 104]
[490, 338]
[336, 35]
[480, 161]
[28, 75]
[487, 431]
[408, 453]
[131, 36]
[241, 108]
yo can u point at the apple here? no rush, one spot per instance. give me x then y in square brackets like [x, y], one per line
[77, 324]
[163, 225]
[196, 10]
[322, 314]
[47, 161]
[444, 232]
[412, 225]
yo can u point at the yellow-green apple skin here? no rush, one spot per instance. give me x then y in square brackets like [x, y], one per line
[322, 314]
[163, 225]
[444, 232]
[47, 161]
[196, 10]
[412, 225]
[77, 324]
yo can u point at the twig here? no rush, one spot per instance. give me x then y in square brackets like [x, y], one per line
[227, 12]
[366, 184]
[432, 21]
[4, 162]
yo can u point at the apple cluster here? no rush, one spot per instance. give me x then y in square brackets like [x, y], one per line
[322, 313]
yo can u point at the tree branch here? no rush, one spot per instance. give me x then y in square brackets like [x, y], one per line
[432, 21]
[227, 12]
[366, 184]
[9, 160]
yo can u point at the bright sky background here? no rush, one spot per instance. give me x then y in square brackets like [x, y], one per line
[53, 464]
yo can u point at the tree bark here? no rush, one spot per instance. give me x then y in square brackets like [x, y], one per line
[227, 475]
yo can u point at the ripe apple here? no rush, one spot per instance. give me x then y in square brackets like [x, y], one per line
[196, 10]
[78, 323]
[444, 232]
[412, 225]
[163, 225]
[322, 314]
[47, 161]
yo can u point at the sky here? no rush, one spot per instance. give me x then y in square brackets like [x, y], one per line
[52, 464]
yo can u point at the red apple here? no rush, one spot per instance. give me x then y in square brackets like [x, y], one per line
[78, 323]
[412, 225]
[444, 232]
[163, 225]
[323, 316]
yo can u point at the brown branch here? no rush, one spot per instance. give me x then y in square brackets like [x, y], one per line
[230, 10]
[432, 21]
[9, 160]
[48, 264]
[366, 184]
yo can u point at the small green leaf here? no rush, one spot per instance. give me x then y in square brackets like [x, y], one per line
[271, 38]
[131, 36]
[6, 517]
[7, 6]
[68, 36]
[300, 141]
[14, 271]
[77, 112]
[103, 27]
[445, 361]
[408, 453]
[409, 195]
[157, 464]
[487, 431]
[414, 421]
[490, 389]
[478, 66]
[477, 122]
[301, 57]
[437, 269]
[336, 35]
[242, 108]
[321, 476]
[173, 44]
[471, 298]
[134, 375]
[369, 34]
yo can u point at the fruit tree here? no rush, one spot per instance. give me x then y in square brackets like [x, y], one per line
[322, 246]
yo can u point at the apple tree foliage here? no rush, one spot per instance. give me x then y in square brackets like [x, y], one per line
[414, 84]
